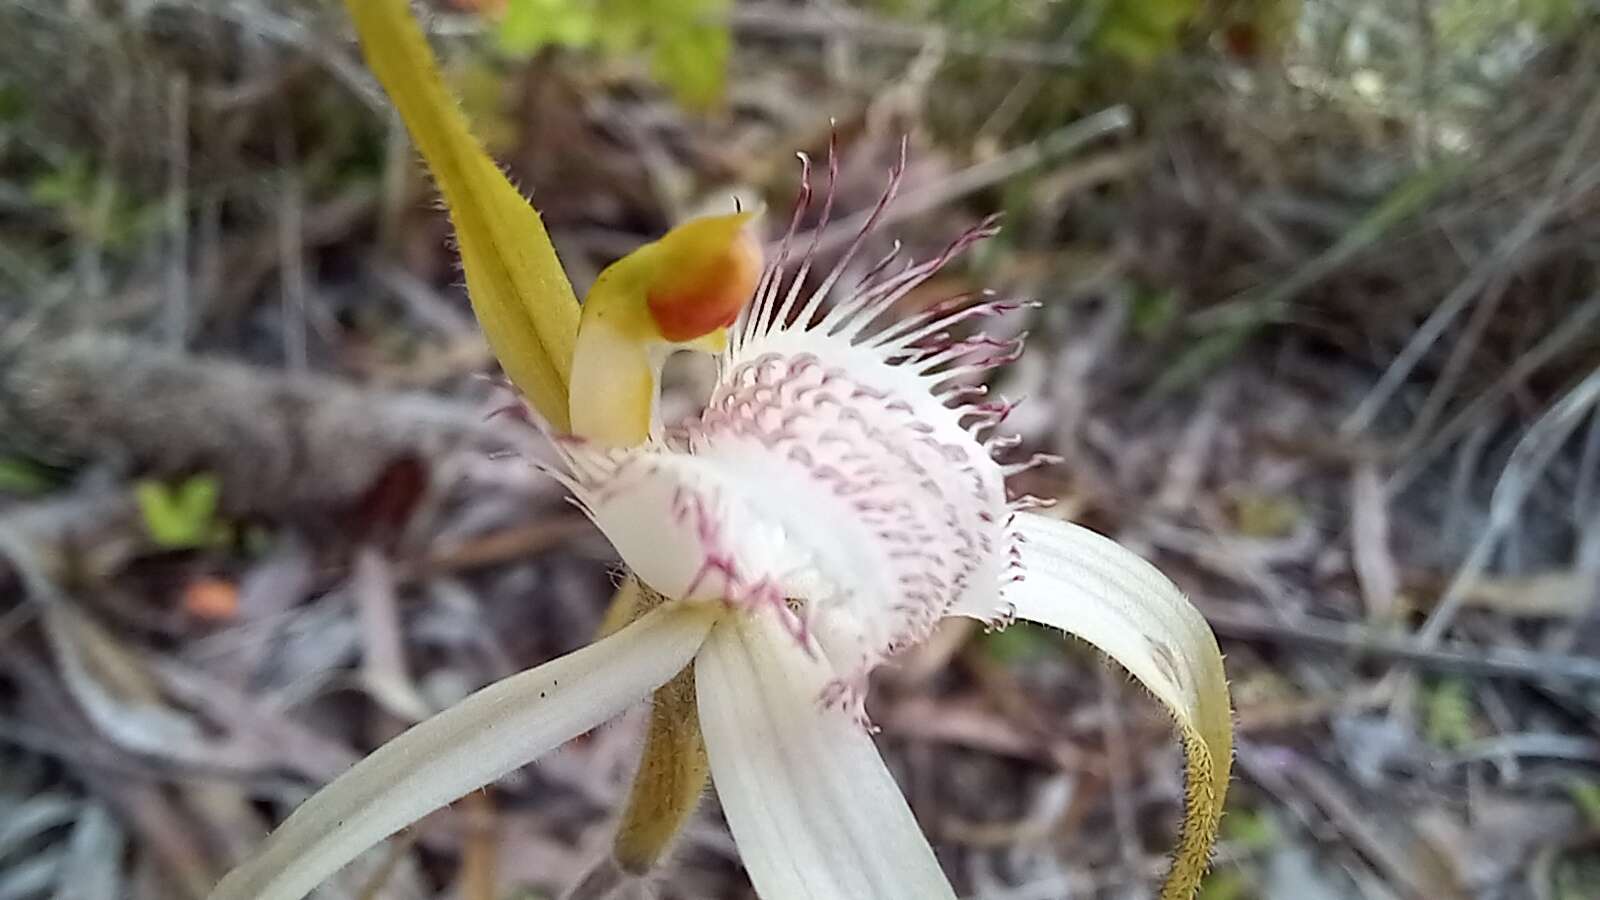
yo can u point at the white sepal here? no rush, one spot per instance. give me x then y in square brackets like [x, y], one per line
[815, 812]
[482, 738]
[1090, 586]
[1094, 588]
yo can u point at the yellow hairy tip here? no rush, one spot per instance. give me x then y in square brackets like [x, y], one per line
[1206, 730]
[519, 292]
[1206, 764]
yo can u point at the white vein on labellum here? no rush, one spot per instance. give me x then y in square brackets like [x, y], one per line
[843, 472]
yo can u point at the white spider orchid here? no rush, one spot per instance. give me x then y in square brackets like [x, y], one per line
[837, 497]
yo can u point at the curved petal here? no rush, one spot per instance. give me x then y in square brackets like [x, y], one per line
[1091, 586]
[480, 739]
[520, 294]
[813, 809]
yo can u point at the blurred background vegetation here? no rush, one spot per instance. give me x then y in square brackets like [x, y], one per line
[1321, 335]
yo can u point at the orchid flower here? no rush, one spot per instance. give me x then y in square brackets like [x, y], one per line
[838, 496]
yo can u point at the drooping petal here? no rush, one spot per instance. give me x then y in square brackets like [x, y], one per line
[480, 739]
[814, 811]
[518, 290]
[1092, 587]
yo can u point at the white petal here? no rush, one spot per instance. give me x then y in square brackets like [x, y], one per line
[814, 811]
[480, 739]
[1092, 587]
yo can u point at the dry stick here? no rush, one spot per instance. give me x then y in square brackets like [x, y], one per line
[476, 872]
[1461, 354]
[1528, 459]
[1572, 328]
[1427, 80]
[385, 673]
[277, 443]
[397, 168]
[1377, 576]
[1586, 493]
[394, 854]
[1485, 313]
[310, 37]
[785, 21]
[1241, 622]
[1119, 779]
[177, 311]
[1457, 300]
[1010, 164]
[782, 21]
[1460, 517]
[292, 287]
[1326, 792]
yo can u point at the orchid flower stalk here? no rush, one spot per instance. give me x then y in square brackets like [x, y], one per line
[838, 496]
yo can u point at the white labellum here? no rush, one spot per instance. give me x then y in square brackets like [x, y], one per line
[841, 474]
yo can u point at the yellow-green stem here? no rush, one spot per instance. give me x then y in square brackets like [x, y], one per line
[673, 768]
[672, 777]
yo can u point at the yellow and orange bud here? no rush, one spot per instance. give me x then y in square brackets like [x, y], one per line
[708, 269]
[683, 290]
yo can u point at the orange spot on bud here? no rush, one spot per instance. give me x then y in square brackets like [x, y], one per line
[709, 270]
[211, 599]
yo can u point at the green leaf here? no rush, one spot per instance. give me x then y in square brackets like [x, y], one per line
[1142, 31]
[1227, 884]
[1021, 642]
[1448, 719]
[1250, 829]
[1201, 357]
[14, 102]
[1262, 514]
[692, 60]
[1585, 794]
[531, 25]
[1153, 311]
[181, 516]
[687, 42]
[20, 476]
[69, 184]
